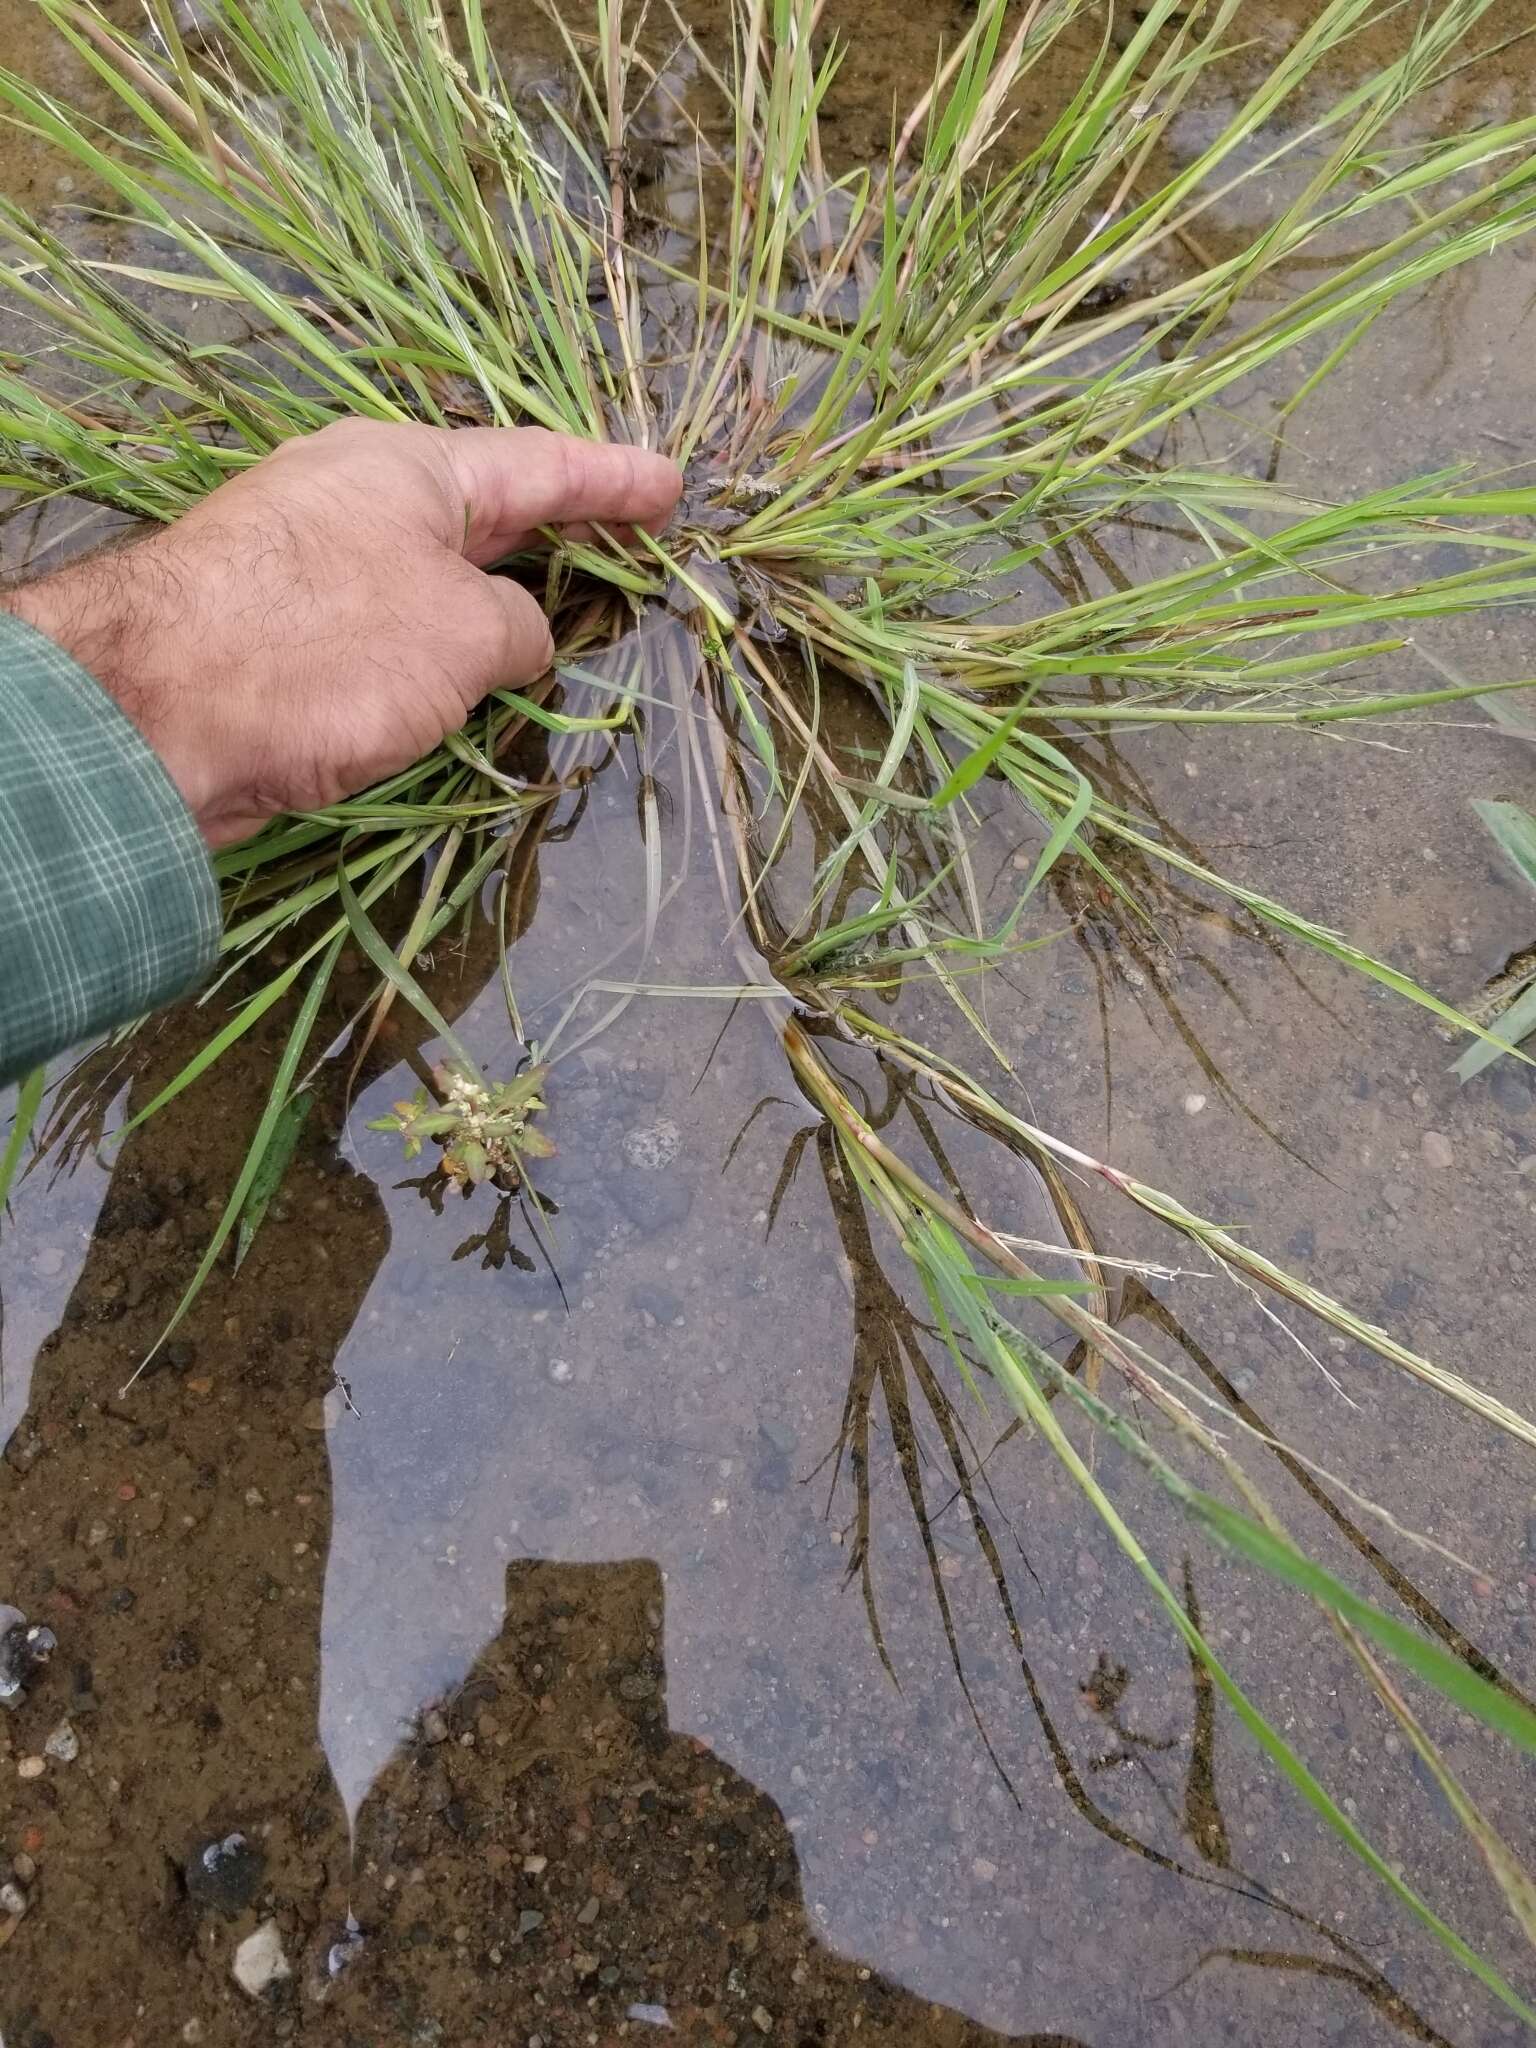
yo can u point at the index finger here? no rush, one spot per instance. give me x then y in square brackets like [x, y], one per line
[513, 480]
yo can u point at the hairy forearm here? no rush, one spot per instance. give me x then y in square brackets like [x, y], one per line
[127, 615]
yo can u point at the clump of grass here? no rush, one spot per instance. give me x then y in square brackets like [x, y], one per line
[905, 396]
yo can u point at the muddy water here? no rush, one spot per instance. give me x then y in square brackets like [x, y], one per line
[513, 1617]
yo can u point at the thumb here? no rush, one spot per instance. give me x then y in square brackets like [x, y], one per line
[513, 480]
[512, 641]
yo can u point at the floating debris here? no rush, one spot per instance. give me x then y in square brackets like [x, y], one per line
[341, 1955]
[225, 1874]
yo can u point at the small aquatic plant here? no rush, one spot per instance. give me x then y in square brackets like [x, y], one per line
[485, 1129]
[916, 401]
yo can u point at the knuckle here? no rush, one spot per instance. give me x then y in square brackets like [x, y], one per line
[569, 466]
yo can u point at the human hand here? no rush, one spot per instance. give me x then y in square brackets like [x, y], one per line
[322, 620]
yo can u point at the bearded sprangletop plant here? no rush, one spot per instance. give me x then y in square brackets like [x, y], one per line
[898, 392]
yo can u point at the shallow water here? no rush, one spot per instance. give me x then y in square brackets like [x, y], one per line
[519, 1625]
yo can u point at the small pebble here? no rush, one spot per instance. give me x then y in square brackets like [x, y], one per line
[983, 1870]
[31, 1767]
[63, 1745]
[762, 2019]
[434, 1728]
[1193, 1104]
[1436, 1148]
[781, 1436]
[13, 1900]
[23, 1868]
[561, 1370]
[535, 1865]
[260, 1961]
[652, 1146]
[529, 1920]
[590, 1911]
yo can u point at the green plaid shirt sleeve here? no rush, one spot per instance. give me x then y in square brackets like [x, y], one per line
[108, 905]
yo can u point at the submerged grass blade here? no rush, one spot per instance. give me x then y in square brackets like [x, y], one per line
[29, 1098]
[278, 1107]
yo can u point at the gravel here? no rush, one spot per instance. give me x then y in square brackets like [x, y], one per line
[652, 1146]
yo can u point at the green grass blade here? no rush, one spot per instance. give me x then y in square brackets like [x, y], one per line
[272, 1115]
[29, 1098]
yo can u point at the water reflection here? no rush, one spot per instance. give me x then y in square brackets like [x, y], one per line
[320, 1538]
[338, 1577]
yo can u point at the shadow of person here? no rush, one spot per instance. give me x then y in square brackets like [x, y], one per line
[177, 1541]
[546, 1857]
[543, 1858]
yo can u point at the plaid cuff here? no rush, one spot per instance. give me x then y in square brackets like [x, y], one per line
[108, 904]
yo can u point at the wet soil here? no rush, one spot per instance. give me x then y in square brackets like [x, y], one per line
[514, 1618]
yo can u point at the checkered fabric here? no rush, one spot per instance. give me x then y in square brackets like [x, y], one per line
[108, 905]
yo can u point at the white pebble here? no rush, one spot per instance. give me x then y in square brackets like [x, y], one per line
[259, 1960]
[1193, 1104]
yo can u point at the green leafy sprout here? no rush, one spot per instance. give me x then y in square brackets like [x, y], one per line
[485, 1129]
